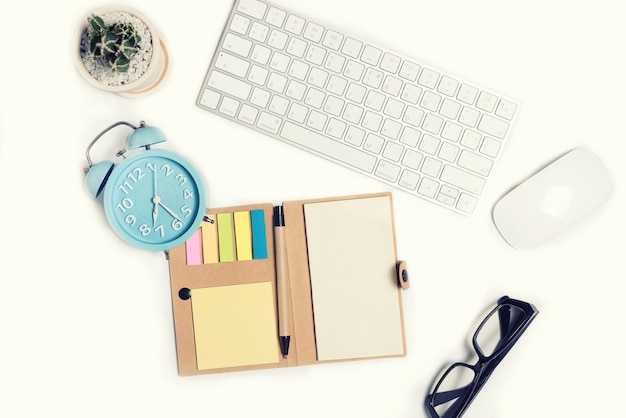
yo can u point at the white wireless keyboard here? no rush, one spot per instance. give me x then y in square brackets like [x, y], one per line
[389, 117]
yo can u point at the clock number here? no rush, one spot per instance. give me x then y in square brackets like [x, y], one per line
[144, 229]
[125, 187]
[136, 175]
[187, 194]
[168, 169]
[127, 203]
[151, 167]
[131, 220]
[185, 210]
[182, 179]
[161, 230]
[176, 225]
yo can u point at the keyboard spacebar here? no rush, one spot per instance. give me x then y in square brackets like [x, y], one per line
[330, 148]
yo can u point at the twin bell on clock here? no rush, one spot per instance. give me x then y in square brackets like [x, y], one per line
[153, 199]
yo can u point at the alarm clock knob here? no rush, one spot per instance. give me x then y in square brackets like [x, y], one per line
[144, 136]
[97, 176]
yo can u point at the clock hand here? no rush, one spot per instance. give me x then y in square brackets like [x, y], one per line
[170, 211]
[156, 199]
[155, 211]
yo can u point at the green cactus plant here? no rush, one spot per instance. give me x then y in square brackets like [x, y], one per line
[114, 43]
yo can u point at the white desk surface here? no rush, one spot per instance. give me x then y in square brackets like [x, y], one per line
[86, 319]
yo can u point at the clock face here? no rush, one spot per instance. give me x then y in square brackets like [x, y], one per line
[154, 200]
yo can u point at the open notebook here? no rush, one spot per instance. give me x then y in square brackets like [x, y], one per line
[343, 289]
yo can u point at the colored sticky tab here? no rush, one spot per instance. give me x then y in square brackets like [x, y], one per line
[193, 249]
[225, 237]
[234, 325]
[210, 250]
[243, 235]
[259, 240]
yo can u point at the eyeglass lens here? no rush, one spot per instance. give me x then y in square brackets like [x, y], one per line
[498, 328]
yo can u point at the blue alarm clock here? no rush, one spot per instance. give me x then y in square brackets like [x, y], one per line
[153, 199]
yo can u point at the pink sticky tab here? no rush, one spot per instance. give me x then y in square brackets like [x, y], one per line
[194, 249]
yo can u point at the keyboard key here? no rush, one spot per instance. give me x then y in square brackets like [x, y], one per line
[467, 94]
[412, 159]
[392, 85]
[315, 55]
[493, 126]
[486, 101]
[318, 77]
[279, 62]
[313, 32]
[316, 120]
[269, 123]
[411, 93]
[229, 85]
[275, 17]
[447, 86]
[428, 187]
[334, 62]
[372, 121]
[260, 97]
[409, 70]
[315, 98]
[356, 93]
[409, 179]
[352, 47]
[469, 116]
[354, 70]
[373, 143]
[239, 24]
[428, 78]
[432, 124]
[390, 62]
[506, 109]
[462, 179]
[393, 151]
[353, 113]
[375, 100]
[430, 101]
[471, 139]
[259, 32]
[296, 47]
[466, 203]
[252, 8]
[210, 98]
[371, 55]
[279, 105]
[450, 109]
[298, 69]
[232, 64]
[413, 116]
[331, 148]
[277, 83]
[490, 147]
[294, 24]
[261, 54]
[373, 78]
[336, 128]
[431, 167]
[258, 75]
[355, 136]
[297, 113]
[429, 144]
[248, 114]
[334, 105]
[474, 162]
[277, 39]
[332, 40]
[387, 171]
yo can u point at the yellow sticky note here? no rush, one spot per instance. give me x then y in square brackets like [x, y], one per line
[234, 325]
[209, 241]
[243, 235]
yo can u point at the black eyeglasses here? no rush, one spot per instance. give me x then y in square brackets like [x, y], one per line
[495, 336]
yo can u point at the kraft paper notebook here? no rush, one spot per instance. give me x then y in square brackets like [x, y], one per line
[342, 293]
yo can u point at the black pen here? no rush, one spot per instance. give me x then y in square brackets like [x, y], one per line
[282, 280]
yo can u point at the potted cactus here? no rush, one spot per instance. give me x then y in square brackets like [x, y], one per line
[120, 51]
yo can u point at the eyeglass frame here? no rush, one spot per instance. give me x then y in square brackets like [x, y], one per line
[485, 364]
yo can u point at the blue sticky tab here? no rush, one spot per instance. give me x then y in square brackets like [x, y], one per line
[259, 240]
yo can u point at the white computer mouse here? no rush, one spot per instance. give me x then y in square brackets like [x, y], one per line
[552, 200]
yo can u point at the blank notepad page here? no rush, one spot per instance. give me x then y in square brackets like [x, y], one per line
[356, 303]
